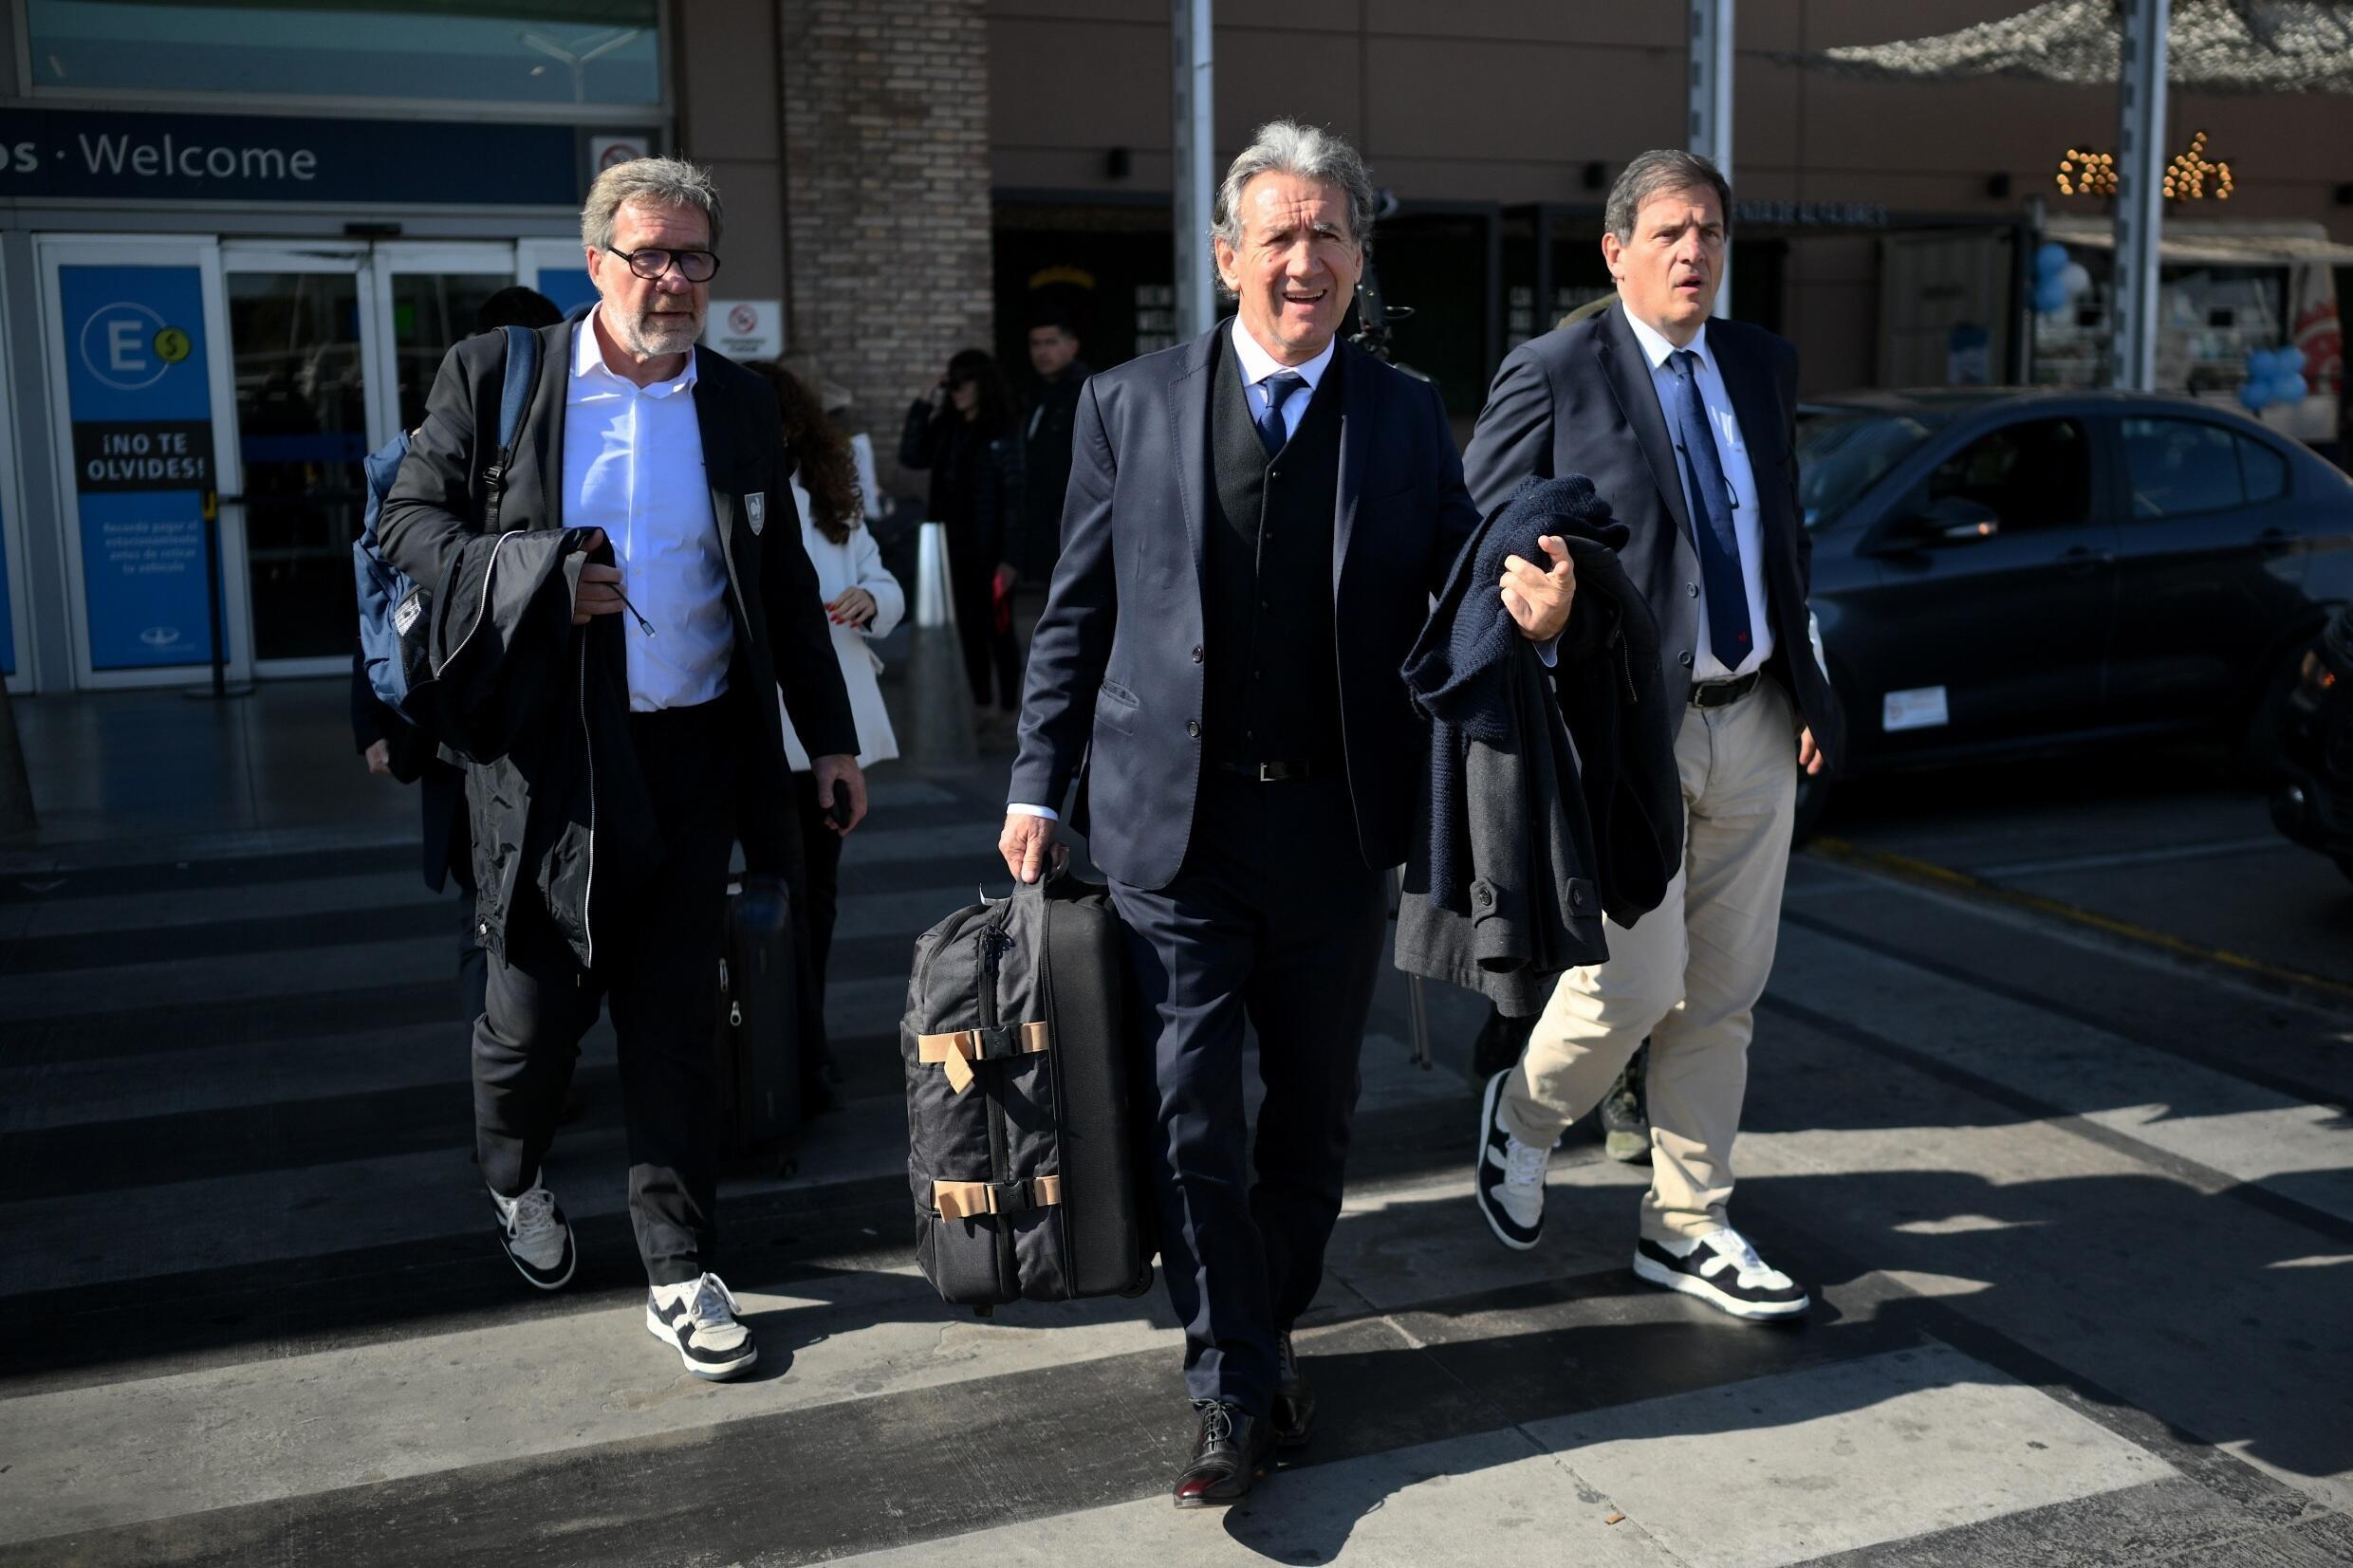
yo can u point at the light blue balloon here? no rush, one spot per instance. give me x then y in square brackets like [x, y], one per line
[2049, 295]
[2288, 389]
[2251, 396]
[2258, 364]
[2051, 259]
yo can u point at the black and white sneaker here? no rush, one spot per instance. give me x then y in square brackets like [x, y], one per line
[697, 1318]
[1509, 1181]
[537, 1237]
[1723, 1270]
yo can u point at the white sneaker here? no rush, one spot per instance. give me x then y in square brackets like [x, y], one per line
[698, 1318]
[1510, 1180]
[1723, 1270]
[537, 1237]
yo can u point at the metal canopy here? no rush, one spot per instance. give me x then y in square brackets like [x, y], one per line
[2215, 46]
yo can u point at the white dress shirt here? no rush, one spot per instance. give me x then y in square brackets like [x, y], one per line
[1257, 364]
[633, 466]
[1732, 453]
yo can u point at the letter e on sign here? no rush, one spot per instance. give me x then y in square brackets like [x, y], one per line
[128, 346]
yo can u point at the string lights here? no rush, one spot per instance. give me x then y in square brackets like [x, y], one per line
[2191, 176]
[2088, 174]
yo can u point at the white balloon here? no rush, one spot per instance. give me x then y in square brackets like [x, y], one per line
[2077, 278]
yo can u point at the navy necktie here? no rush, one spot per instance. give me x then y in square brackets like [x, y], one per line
[1272, 430]
[1711, 522]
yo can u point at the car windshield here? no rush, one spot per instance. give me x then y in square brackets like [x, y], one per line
[1842, 453]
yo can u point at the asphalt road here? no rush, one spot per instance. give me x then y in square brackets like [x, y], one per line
[2162, 844]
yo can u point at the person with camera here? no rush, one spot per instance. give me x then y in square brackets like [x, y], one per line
[966, 435]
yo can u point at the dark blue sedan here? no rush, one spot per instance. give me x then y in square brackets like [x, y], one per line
[2010, 571]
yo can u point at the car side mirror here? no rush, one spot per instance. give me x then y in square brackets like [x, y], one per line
[1947, 520]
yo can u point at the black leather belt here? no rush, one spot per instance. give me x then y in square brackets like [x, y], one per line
[1276, 772]
[1718, 693]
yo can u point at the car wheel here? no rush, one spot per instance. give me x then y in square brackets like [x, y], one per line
[1813, 800]
[2257, 760]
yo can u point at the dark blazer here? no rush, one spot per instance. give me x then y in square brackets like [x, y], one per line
[1579, 399]
[1116, 677]
[782, 638]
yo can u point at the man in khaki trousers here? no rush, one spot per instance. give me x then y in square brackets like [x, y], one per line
[1686, 425]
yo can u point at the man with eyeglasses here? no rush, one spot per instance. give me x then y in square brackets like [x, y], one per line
[647, 483]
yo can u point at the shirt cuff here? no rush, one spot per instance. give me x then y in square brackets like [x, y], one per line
[1017, 809]
[1550, 651]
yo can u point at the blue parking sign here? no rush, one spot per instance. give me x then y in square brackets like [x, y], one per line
[140, 396]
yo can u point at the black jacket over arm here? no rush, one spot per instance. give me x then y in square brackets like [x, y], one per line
[1580, 400]
[1116, 664]
[434, 527]
[1540, 816]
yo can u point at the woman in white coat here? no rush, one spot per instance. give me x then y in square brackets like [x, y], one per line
[864, 603]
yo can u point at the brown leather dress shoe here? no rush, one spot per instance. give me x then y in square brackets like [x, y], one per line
[1292, 1415]
[1228, 1453]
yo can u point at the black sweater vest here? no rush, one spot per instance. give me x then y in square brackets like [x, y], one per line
[1273, 678]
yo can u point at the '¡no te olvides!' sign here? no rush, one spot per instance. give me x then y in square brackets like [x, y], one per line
[141, 400]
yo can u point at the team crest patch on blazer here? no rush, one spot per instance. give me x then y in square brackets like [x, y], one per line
[755, 509]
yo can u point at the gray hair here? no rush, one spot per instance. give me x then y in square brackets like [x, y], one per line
[1304, 152]
[1661, 169]
[651, 182]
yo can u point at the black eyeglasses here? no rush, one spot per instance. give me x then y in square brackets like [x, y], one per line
[650, 263]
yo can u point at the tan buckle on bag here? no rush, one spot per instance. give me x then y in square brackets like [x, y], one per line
[962, 1200]
[958, 1052]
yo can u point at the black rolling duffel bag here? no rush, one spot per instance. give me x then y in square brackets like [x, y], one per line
[761, 1033]
[1022, 1102]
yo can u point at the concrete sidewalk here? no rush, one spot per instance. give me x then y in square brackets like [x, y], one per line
[132, 771]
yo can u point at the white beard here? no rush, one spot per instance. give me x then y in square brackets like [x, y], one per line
[651, 336]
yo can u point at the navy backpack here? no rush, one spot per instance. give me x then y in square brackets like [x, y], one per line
[395, 612]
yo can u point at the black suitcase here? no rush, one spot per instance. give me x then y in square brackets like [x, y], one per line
[758, 1039]
[1023, 1102]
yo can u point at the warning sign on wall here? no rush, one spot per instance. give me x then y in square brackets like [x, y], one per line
[746, 329]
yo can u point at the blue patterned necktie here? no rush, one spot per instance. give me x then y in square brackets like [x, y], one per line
[1712, 528]
[1272, 430]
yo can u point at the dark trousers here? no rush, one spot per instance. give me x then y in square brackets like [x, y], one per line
[991, 658]
[821, 851]
[1273, 918]
[659, 964]
[473, 964]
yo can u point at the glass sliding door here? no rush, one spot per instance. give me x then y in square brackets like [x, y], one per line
[428, 296]
[335, 349]
[302, 364]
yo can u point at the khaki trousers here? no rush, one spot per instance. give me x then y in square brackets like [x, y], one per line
[1686, 976]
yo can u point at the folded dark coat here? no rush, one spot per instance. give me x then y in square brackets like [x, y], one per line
[1549, 801]
[555, 799]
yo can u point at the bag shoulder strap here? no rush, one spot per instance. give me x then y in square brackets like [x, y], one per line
[514, 398]
[522, 375]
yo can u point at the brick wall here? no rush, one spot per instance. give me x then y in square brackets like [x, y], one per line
[886, 164]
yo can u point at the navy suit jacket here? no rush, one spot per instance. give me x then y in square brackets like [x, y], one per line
[1580, 400]
[1115, 666]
